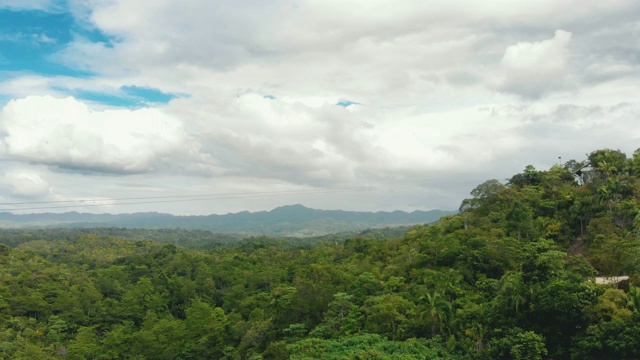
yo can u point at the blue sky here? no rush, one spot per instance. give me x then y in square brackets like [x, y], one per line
[108, 99]
[126, 96]
[32, 39]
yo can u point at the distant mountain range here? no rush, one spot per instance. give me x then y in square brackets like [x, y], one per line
[290, 220]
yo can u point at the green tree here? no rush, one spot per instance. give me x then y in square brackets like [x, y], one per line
[388, 315]
[206, 331]
[85, 345]
[437, 310]
[528, 346]
[342, 317]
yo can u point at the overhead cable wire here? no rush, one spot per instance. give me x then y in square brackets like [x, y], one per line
[79, 203]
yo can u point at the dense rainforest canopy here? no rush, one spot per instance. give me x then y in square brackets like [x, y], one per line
[509, 277]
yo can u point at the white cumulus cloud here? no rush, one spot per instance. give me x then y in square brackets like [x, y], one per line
[533, 68]
[26, 183]
[68, 134]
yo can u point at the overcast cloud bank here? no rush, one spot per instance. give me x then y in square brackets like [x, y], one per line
[312, 95]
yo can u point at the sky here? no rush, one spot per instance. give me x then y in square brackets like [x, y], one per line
[206, 106]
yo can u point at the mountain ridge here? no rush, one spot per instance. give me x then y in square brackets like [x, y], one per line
[288, 220]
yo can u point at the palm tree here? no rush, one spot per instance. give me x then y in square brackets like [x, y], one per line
[514, 291]
[437, 311]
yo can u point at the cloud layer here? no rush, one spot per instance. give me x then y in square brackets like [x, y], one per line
[68, 134]
[288, 95]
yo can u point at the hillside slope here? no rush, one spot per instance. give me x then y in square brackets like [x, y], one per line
[512, 276]
[292, 220]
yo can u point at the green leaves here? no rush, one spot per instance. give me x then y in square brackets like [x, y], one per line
[507, 278]
[528, 346]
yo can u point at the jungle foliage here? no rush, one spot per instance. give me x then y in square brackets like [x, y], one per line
[509, 277]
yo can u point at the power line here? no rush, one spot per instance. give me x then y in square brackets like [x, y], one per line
[182, 198]
[285, 192]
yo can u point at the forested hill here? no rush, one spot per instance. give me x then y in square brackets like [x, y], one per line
[512, 276]
[587, 207]
[292, 220]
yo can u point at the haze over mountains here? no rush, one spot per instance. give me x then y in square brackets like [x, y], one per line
[291, 220]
